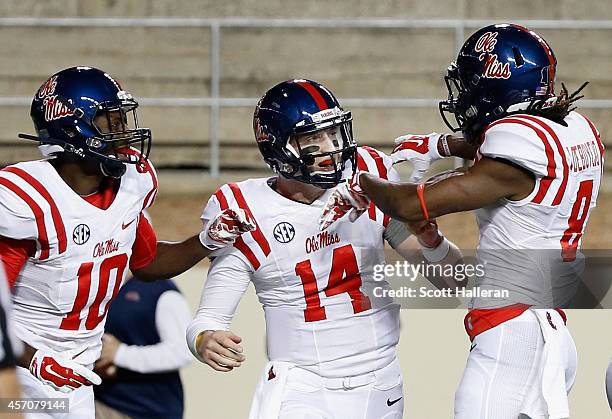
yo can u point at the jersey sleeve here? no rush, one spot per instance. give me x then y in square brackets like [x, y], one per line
[228, 279]
[377, 163]
[396, 233]
[15, 254]
[246, 247]
[517, 144]
[10, 347]
[144, 248]
[17, 219]
[212, 208]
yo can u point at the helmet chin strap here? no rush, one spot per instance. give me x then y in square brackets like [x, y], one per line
[113, 168]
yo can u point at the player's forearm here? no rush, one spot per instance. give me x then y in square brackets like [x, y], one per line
[173, 258]
[434, 260]
[398, 200]
[457, 146]
[161, 357]
[26, 357]
[443, 278]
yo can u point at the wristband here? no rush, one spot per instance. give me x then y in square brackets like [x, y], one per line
[437, 253]
[445, 147]
[421, 194]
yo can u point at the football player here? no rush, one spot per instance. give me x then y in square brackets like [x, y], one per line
[533, 185]
[71, 226]
[330, 342]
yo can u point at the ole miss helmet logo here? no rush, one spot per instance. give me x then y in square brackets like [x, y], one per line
[261, 135]
[56, 109]
[48, 88]
[486, 43]
[492, 69]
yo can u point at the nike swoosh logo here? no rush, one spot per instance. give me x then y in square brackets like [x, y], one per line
[418, 141]
[392, 402]
[472, 347]
[124, 226]
[410, 144]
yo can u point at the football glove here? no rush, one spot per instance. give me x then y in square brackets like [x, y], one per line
[225, 228]
[420, 150]
[61, 373]
[347, 198]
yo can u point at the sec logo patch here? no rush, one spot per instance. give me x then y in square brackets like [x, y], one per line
[284, 232]
[81, 234]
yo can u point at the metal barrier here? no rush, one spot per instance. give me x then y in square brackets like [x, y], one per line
[215, 102]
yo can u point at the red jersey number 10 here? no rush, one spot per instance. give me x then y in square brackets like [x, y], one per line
[72, 321]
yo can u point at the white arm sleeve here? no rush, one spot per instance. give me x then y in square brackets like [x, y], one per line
[396, 232]
[392, 175]
[228, 279]
[171, 319]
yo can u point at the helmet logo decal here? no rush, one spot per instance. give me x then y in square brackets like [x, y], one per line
[492, 69]
[260, 135]
[55, 109]
[48, 88]
[544, 81]
[486, 43]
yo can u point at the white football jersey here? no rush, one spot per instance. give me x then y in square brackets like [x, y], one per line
[63, 292]
[313, 285]
[545, 229]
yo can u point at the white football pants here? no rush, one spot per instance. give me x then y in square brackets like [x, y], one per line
[289, 392]
[80, 401]
[522, 368]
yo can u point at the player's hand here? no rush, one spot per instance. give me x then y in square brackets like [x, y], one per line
[347, 198]
[61, 373]
[225, 228]
[427, 233]
[220, 349]
[420, 150]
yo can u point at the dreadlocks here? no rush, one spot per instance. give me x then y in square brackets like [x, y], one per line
[557, 109]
